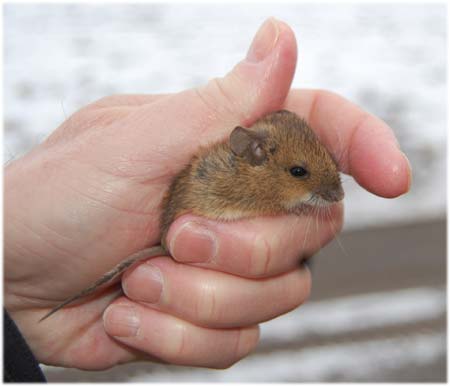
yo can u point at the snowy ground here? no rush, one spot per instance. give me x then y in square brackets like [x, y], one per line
[391, 59]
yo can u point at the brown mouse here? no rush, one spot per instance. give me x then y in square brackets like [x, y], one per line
[278, 166]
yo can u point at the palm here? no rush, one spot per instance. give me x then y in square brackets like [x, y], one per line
[119, 195]
[119, 216]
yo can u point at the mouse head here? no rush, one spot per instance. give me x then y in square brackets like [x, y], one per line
[283, 151]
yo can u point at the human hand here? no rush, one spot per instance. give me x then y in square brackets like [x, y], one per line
[89, 196]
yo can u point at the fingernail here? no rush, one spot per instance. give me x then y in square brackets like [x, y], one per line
[121, 321]
[150, 285]
[264, 41]
[193, 243]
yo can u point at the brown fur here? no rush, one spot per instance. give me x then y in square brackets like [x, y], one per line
[221, 185]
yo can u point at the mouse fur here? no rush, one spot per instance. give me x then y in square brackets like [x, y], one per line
[249, 174]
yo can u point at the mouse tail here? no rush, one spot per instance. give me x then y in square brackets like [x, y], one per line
[110, 275]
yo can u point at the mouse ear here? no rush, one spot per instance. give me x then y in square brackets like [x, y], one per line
[249, 145]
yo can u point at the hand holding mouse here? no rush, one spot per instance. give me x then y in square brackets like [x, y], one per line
[89, 196]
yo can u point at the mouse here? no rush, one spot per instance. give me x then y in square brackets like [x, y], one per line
[276, 166]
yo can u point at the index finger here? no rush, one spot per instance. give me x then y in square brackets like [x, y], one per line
[362, 144]
[256, 247]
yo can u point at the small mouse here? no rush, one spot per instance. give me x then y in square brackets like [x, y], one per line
[277, 166]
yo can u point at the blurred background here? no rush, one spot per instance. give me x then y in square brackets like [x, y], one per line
[378, 307]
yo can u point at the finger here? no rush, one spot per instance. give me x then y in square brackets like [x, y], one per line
[214, 299]
[182, 122]
[364, 145]
[174, 340]
[259, 247]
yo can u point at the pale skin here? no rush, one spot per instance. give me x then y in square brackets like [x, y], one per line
[89, 196]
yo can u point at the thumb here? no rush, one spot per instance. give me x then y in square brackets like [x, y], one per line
[168, 131]
[258, 84]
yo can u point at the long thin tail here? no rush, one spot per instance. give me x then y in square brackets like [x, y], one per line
[110, 275]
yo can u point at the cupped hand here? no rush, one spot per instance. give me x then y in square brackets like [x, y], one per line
[90, 195]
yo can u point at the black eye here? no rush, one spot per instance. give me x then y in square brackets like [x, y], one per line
[299, 172]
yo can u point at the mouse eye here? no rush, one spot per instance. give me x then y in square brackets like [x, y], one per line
[299, 172]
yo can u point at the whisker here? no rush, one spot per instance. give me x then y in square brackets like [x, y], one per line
[316, 215]
[306, 233]
[335, 232]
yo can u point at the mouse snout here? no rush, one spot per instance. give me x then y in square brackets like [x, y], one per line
[333, 193]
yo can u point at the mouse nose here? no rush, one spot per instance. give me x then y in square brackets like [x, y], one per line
[332, 193]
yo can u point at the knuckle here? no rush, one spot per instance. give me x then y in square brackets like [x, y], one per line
[238, 349]
[260, 260]
[238, 345]
[175, 348]
[207, 94]
[217, 99]
[219, 88]
[206, 304]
